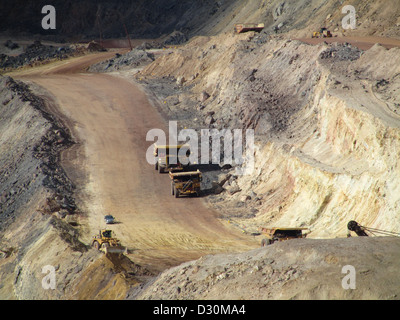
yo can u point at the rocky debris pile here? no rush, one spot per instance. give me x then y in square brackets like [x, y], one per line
[293, 269]
[132, 59]
[175, 38]
[34, 53]
[241, 96]
[38, 165]
[94, 46]
[341, 52]
[148, 45]
[11, 45]
[20, 129]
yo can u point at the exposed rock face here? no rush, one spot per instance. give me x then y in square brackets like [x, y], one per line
[326, 127]
[30, 160]
[88, 18]
[154, 18]
[133, 59]
[295, 269]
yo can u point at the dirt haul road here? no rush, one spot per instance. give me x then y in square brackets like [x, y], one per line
[110, 117]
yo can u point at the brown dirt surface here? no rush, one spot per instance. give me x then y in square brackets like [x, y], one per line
[109, 118]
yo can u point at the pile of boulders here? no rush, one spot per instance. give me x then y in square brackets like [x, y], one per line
[342, 52]
[47, 151]
[132, 59]
[175, 38]
[11, 45]
[36, 52]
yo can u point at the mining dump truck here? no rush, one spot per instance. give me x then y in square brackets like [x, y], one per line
[244, 27]
[168, 157]
[185, 183]
[105, 242]
[280, 234]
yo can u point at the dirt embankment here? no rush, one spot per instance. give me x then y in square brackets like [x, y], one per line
[298, 269]
[38, 210]
[32, 140]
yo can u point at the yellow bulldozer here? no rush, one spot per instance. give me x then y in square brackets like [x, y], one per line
[105, 242]
[323, 33]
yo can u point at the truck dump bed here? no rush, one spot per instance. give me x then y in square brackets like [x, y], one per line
[244, 27]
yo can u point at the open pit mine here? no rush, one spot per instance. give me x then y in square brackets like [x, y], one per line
[280, 179]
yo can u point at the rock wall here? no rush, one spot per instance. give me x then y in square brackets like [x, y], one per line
[152, 19]
[326, 125]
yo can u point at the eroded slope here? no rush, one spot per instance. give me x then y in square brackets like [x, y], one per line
[326, 124]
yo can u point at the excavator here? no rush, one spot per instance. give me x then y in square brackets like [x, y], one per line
[362, 231]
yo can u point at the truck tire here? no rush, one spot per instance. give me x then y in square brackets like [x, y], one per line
[96, 245]
[105, 245]
[266, 242]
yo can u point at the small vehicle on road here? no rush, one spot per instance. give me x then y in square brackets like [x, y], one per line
[109, 219]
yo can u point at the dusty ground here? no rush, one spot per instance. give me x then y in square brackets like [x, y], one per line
[326, 118]
[109, 115]
[110, 118]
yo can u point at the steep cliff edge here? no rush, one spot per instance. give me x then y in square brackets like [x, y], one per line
[327, 128]
[38, 214]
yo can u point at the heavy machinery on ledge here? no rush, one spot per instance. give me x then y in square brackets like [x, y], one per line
[185, 183]
[281, 234]
[323, 33]
[362, 231]
[105, 242]
[244, 27]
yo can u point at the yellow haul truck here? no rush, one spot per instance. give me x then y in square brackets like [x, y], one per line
[244, 27]
[185, 183]
[168, 159]
[280, 234]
